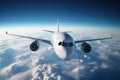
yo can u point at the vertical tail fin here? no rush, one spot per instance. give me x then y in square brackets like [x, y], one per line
[58, 24]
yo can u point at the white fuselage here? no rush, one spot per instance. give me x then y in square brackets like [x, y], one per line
[63, 45]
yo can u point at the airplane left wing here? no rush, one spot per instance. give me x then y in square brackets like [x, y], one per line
[42, 40]
[92, 39]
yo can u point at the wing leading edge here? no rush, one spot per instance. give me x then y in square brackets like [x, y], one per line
[93, 39]
[42, 40]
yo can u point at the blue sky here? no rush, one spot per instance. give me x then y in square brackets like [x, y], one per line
[90, 13]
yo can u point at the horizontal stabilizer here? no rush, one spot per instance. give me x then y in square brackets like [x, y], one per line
[48, 31]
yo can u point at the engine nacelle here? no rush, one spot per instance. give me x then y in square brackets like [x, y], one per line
[34, 46]
[85, 47]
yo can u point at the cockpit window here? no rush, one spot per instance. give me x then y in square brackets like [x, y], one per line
[65, 44]
[60, 43]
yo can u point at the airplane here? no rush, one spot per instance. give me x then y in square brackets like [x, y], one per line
[62, 43]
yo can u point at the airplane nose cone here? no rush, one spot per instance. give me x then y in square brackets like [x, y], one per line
[69, 52]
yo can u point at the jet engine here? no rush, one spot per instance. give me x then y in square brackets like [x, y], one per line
[34, 46]
[85, 47]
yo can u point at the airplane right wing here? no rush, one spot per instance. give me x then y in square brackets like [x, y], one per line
[42, 40]
[78, 41]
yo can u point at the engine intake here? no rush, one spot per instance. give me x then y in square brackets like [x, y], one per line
[85, 47]
[34, 45]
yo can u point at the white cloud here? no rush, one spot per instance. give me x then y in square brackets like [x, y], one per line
[116, 53]
[23, 56]
[75, 73]
[45, 72]
[81, 60]
[22, 76]
[103, 55]
[86, 57]
[104, 47]
[98, 42]
[12, 69]
[20, 44]
[104, 65]
[39, 55]
[71, 69]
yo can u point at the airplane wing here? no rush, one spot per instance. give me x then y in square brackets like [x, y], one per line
[42, 40]
[78, 41]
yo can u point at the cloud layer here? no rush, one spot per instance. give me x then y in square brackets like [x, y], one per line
[17, 62]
